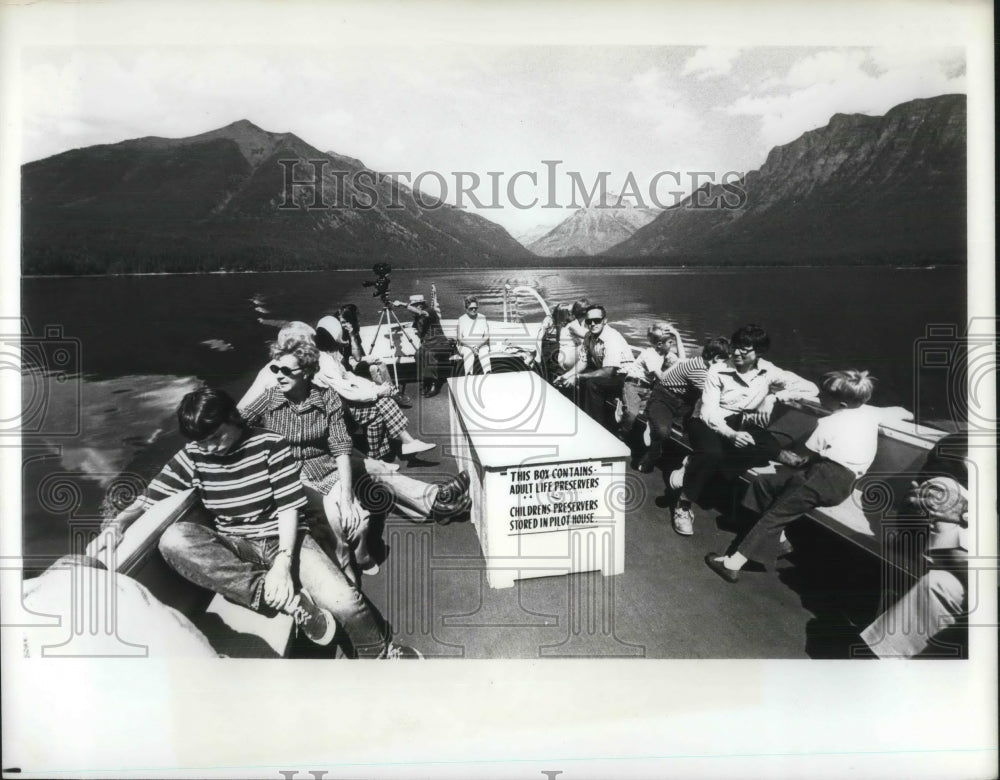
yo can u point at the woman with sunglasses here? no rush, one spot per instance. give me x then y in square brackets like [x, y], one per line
[311, 419]
[371, 406]
[472, 338]
[728, 430]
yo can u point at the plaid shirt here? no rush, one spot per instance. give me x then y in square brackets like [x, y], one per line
[314, 428]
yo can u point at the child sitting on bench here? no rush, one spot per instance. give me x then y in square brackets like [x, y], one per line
[843, 447]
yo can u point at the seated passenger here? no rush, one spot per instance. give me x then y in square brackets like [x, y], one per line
[842, 447]
[555, 350]
[600, 368]
[371, 406]
[940, 596]
[728, 430]
[674, 395]
[357, 360]
[641, 376]
[472, 338]
[257, 550]
[578, 327]
[311, 419]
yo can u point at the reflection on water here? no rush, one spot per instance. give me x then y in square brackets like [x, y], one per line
[113, 419]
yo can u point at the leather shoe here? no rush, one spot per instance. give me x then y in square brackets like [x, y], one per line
[444, 512]
[403, 400]
[729, 575]
[456, 487]
[645, 465]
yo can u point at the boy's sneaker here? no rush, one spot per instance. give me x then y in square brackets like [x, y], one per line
[316, 622]
[403, 653]
[684, 520]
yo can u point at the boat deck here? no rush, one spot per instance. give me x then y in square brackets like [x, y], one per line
[433, 588]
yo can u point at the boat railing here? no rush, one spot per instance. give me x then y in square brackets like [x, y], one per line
[510, 301]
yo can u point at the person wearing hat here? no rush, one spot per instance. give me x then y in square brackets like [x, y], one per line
[435, 349]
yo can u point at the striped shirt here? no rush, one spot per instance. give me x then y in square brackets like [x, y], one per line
[686, 378]
[245, 489]
[314, 428]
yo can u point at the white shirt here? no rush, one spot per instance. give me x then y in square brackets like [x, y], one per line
[650, 360]
[472, 332]
[848, 437]
[728, 391]
[617, 352]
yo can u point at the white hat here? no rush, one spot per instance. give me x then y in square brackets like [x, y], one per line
[332, 326]
[418, 298]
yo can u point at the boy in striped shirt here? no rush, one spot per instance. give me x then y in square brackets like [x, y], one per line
[257, 554]
[675, 393]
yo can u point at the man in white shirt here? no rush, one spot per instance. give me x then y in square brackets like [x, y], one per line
[601, 367]
[472, 338]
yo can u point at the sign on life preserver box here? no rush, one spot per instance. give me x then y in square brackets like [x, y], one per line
[547, 482]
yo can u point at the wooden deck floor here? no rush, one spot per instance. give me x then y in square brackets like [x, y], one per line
[667, 604]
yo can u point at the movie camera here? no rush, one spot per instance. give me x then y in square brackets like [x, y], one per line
[380, 283]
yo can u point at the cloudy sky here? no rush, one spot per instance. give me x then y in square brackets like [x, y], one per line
[635, 109]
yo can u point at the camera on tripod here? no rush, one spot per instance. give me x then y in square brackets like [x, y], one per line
[381, 283]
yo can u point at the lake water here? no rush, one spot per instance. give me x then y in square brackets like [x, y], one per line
[132, 346]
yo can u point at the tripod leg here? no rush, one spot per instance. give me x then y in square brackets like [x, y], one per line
[378, 329]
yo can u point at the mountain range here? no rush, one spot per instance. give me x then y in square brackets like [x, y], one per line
[594, 228]
[863, 188]
[222, 201]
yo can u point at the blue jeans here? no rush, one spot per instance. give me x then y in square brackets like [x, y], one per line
[236, 567]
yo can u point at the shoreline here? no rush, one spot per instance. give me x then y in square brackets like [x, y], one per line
[452, 269]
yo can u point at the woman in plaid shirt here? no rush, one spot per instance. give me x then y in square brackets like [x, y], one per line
[311, 419]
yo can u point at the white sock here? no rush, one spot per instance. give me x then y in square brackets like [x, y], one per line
[735, 562]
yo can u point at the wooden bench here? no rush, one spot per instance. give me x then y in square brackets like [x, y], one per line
[231, 629]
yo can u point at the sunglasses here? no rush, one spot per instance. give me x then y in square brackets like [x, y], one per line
[472, 308]
[594, 320]
[743, 350]
[284, 370]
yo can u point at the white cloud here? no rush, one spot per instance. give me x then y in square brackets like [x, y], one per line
[825, 67]
[650, 99]
[846, 81]
[710, 61]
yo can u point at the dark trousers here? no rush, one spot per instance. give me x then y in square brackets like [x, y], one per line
[595, 394]
[664, 408]
[433, 361]
[785, 496]
[714, 455]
